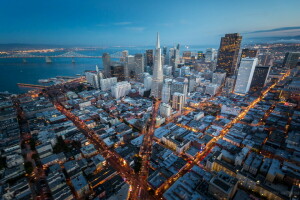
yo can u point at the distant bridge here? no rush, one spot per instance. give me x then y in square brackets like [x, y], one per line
[70, 54]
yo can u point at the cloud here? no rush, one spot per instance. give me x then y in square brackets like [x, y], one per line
[122, 23]
[276, 39]
[275, 29]
[136, 28]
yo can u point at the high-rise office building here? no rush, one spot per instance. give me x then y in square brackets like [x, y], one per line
[139, 67]
[228, 53]
[118, 70]
[106, 65]
[291, 59]
[178, 101]
[157, 80]
[166, 91]
[174, 55]
[149, 57]
[210, 54]
[165, 56]
[129, 67]
[250, 53]
[259, 77]
[245, 74]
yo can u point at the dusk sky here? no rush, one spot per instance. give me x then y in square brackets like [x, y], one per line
[135, 22]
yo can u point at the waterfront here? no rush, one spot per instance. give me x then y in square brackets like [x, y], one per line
[14, 70]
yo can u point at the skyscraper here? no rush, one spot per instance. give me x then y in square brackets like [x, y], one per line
[174, 54]
[259, 77]
[106, 64]
[165, 55]
[157, 81]
[291, 60]
[245, 74]
[228, 53]
[129, 67]
[149, 57]
[118, 70]
[139, 67]
[166, 91]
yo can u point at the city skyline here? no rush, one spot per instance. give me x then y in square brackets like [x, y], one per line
[94, 106]
[130, 23]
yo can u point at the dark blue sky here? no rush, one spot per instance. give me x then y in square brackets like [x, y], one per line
[135, 22]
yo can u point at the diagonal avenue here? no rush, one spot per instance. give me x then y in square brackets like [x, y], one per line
[112, 157]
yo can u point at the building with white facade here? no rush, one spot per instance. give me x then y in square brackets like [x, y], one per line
[245, 75]
[106, 83]
[166, 91]
[147, 81]
[157, 81]
[120, 89]
[165, 110]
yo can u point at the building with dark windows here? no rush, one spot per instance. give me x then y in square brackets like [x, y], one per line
[118, 70]
[174, 55]
[291, 59]
[106, 64]
[228, 53]
[139, 67]
[149, 57]
[259, 77]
